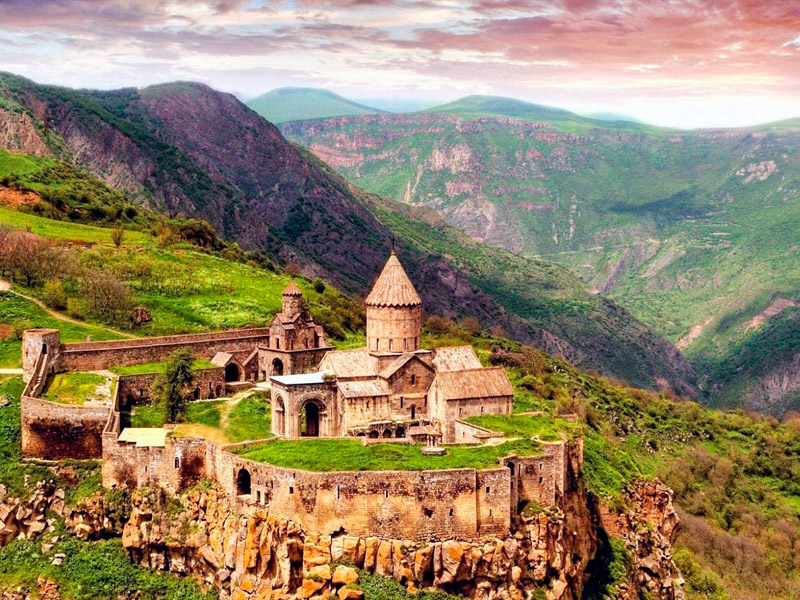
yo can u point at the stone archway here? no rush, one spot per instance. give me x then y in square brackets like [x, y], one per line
[277, 367]
[232, 372]
[243, 483]
[312, 414]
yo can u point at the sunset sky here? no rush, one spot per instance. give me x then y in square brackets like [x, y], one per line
[684, 63]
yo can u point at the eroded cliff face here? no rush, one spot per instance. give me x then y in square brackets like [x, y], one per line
[255, 556]
[259, 556]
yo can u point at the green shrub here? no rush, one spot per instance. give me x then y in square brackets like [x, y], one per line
[53, 294]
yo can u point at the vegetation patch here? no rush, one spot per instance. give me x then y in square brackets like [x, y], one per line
[350, 455]
[157, 367]
[526, 426]
[75, 388]
[91, 570]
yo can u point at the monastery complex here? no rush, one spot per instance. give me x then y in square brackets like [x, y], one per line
[392, 391]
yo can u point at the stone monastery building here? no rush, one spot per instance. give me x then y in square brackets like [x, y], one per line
[392, 388]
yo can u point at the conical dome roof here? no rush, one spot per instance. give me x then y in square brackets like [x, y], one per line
[393, 287]
[292, 290]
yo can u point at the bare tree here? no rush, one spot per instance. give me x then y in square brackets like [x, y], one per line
[108, 296]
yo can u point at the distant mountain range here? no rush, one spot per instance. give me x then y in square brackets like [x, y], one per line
[296, 103]
[184, 148]
[694, 231]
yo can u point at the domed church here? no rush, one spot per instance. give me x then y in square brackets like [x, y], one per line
[392, 388]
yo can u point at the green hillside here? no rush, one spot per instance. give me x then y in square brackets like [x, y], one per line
[475, 107]
[296, 103]
[693, 232]
[189, 151]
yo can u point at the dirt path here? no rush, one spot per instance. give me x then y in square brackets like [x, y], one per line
[225, 409]
[6, 287]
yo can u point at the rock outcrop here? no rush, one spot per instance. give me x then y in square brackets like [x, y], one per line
[251, 556]
[259, 556]
[648, 527]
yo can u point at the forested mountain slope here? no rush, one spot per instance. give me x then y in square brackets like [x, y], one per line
[185, 149]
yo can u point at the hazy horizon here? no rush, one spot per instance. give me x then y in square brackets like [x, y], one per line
[687, 63]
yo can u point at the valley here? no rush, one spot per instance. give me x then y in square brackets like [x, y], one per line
[690, 231]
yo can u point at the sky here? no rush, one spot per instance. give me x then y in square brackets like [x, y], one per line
[682, 63]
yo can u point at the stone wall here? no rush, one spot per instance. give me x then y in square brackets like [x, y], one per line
[91, 356]
[136, 389]
[430, 505]
[56, 431]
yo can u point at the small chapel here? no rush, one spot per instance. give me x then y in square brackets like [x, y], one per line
[392, 388]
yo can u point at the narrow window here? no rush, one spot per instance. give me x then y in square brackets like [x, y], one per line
[291, 345]
[451, 512]
[541, 479]
[177, 462]
[278, 343]
[291, 490]
[490, 512]
[541, 464]
[391, 345]
[402, 401]
[482, 409]
[338, 495]
[413, 379]
[488, 489]
[145, 468]
[405, 344]
[385, 493]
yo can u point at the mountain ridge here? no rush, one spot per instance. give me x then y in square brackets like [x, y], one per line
[201, 153]
[302, 103]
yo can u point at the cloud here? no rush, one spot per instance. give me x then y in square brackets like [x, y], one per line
[575, 53]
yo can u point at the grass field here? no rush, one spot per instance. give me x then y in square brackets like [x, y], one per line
[186, 290]
[66, 231]
[225, 421]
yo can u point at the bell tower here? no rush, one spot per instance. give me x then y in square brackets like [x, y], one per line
[292, 301]
[394, 312]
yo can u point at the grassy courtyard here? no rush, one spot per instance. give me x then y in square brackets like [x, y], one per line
[76, 388]
[349, 455]
[156, 367]
[225, 421]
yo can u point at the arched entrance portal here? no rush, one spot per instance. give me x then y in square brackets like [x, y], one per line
[243, 483]
[233, 372]
[277, 367]
[310, 419]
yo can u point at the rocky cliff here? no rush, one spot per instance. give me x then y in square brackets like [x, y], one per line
[253, 555]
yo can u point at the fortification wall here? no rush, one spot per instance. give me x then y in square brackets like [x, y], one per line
[90, 356]
[136, 389]
[60, 431]
[418, 504]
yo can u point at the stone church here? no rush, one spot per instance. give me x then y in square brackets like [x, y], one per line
[392, 387]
